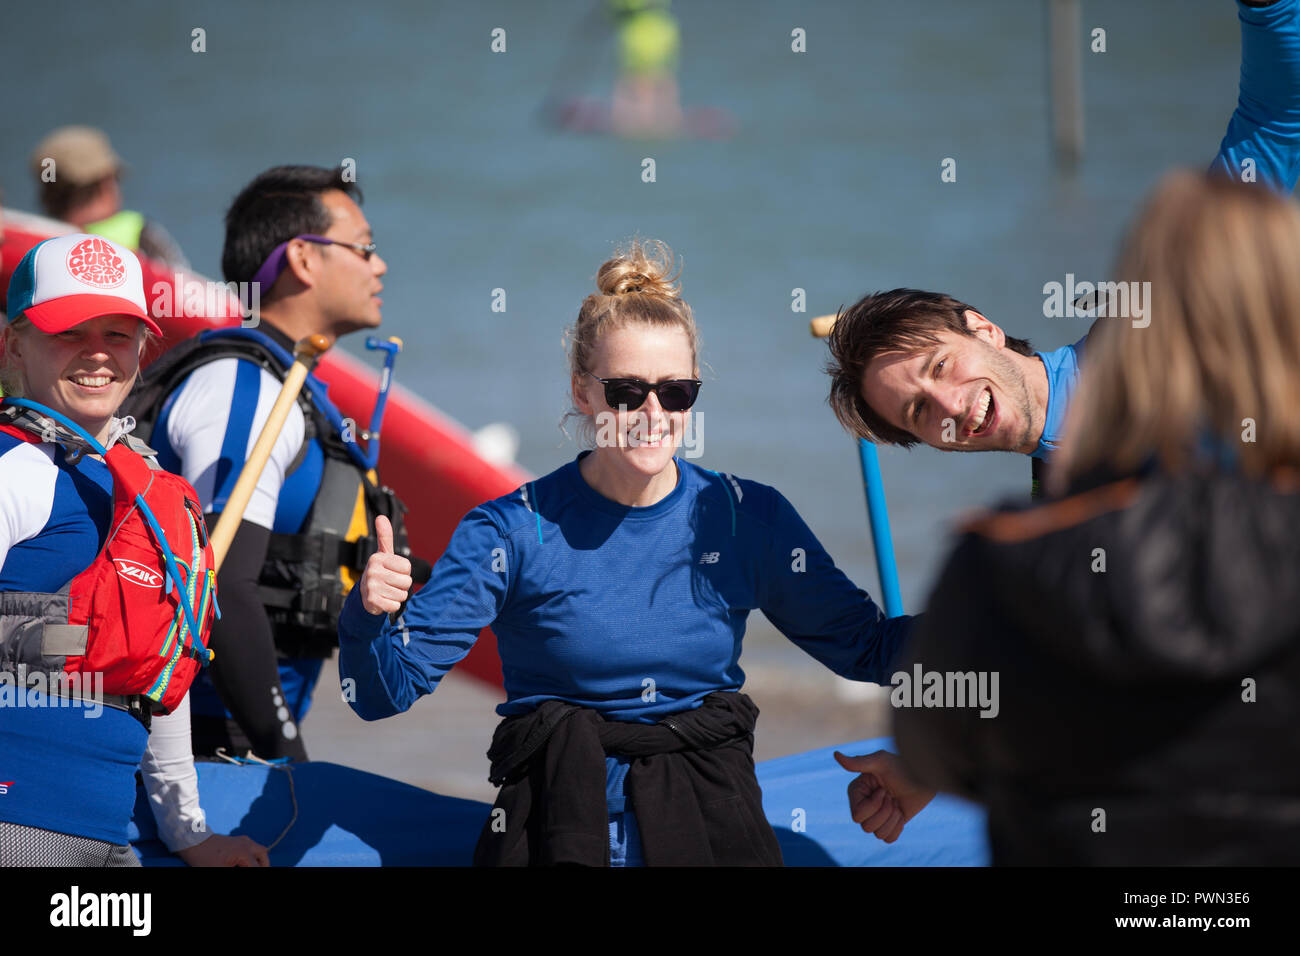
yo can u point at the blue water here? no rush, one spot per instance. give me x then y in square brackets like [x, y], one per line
[831, 185]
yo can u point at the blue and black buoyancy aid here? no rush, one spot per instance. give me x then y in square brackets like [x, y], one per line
[307, 574]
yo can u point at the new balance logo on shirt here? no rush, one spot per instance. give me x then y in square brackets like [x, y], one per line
[709, 557]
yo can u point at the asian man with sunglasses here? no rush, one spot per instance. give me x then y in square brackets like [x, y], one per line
[298, 232]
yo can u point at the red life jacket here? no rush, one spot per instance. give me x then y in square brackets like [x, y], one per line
[122, 616]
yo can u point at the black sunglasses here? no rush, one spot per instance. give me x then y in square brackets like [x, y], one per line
[676, 395]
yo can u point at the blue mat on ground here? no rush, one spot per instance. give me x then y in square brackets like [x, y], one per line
[347, 817]
[949, 832]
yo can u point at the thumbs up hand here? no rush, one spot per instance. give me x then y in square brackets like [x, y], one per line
[881, 797]
[386, 581]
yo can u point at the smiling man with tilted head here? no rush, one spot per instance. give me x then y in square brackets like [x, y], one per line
[909, 366]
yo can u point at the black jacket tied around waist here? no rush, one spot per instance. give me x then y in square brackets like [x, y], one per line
[691, 784]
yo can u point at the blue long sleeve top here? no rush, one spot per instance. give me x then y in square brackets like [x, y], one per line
[1265, 126]
[634, 612]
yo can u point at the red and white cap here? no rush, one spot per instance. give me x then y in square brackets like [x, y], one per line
[67, 280]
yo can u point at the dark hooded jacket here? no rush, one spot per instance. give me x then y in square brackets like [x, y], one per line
[1146, 636]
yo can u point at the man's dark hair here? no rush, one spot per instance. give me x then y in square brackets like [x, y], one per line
[59, 198]
[900, 320]
[279, 204]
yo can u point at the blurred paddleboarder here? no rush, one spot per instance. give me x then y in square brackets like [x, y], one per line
[646, 101]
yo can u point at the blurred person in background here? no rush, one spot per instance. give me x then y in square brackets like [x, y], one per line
[1144, 625]
[646, 100]
[79, 180]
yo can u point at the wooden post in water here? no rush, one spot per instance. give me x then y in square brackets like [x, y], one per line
[1065, 64]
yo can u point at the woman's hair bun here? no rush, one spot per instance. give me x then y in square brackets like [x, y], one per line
[640, 269]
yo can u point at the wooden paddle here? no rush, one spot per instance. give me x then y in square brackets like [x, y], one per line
[822, 325]
[305, 354]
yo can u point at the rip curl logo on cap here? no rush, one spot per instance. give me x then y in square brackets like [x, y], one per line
[138, 573]
[95, 262]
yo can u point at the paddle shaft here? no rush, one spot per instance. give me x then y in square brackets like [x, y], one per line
[822, 325]
[305, 354]
[881, 538]
[877, 512]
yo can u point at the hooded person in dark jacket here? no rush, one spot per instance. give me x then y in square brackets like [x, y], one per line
[1143, 627]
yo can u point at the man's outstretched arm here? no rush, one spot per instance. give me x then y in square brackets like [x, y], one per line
[1263, 139]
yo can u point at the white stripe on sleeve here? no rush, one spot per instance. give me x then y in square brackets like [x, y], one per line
[27, 477]
[197, 427]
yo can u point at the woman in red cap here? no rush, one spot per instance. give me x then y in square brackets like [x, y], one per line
[105, 587]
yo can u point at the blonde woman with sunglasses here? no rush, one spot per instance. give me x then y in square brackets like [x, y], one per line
[618, 587]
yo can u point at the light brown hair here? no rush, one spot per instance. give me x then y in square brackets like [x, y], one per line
[1222, 346]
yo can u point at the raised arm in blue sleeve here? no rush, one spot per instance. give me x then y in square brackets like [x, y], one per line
[383, 666]
[814, 604]
[1265, 127]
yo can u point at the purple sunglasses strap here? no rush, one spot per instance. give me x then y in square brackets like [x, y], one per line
[279, 258]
